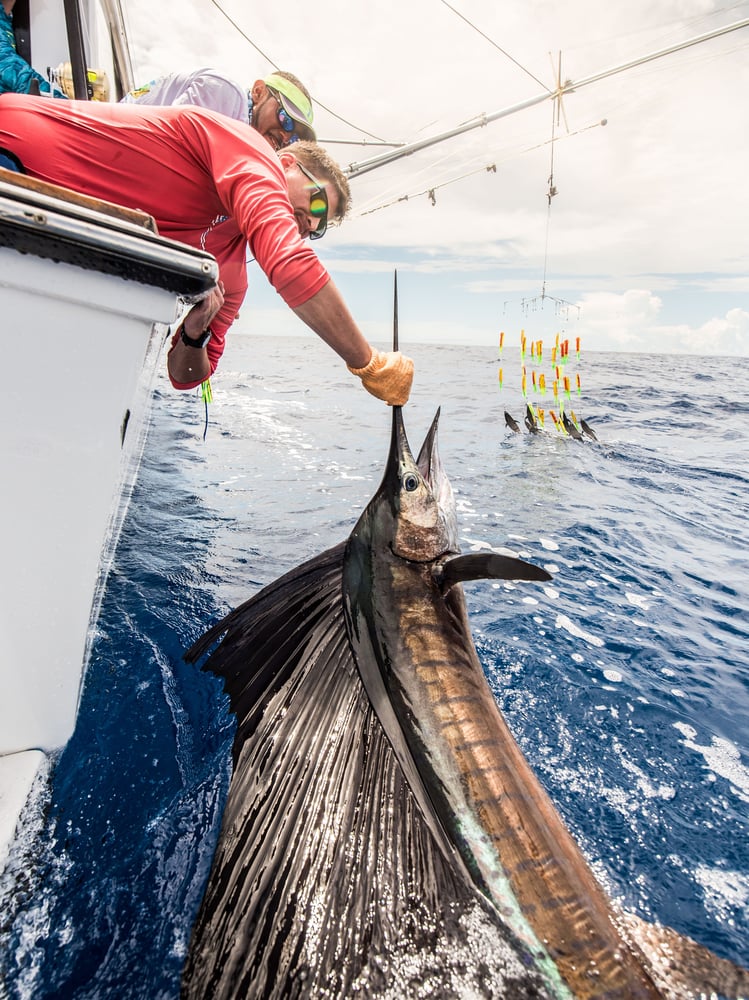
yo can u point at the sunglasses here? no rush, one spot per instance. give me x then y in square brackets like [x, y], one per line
[318, 204]
[285, 120]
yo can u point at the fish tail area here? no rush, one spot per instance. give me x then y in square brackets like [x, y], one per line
[679, 966]
[327, 879]
[512, 842]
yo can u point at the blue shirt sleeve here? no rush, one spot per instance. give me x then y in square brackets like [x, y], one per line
[15, 73]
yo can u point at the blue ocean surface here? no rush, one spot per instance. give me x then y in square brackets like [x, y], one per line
[625, 680]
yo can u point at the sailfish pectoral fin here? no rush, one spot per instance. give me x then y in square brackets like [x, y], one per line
[488, 566]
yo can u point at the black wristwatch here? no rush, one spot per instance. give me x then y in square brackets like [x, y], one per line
[198, 342]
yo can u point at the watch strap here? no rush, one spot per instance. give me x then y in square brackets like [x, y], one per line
[197, 342]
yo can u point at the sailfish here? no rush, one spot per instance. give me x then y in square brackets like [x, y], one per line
[384, 835]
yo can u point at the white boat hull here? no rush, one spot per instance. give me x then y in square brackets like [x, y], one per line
[86, 299]
[81, 340]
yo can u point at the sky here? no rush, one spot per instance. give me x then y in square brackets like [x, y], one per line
[642, 248]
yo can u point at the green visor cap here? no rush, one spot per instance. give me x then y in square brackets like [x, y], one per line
[294, 103]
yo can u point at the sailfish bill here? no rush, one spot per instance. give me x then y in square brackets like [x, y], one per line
[383, 833]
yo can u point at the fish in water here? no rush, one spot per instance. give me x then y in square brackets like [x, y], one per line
[530, 420]
[587, 429]
[571, 428]
[383, 835]
[512, 422]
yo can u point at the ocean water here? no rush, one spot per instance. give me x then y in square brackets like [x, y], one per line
[625, 680]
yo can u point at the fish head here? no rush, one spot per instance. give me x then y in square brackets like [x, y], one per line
[431, 468]
[406, 508]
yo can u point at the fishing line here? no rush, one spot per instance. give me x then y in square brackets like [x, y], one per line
[487, 168]
[560, 305]
[391, 193]
[491, 168]
[276, 66]
[556, 108]
[206, 394]
[492, 42]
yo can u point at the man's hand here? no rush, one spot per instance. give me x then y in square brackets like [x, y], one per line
[190, 365]
[200, 316]
[388, 376]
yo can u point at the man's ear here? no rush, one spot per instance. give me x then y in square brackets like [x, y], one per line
[287, 159]
[258, 90]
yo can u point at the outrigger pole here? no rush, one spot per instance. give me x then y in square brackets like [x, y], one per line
[76, 48]
[120, 49]
[364, 166]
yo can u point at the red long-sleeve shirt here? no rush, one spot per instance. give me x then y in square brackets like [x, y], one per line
[208, 181]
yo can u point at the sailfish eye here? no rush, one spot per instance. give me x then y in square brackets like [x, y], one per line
[410, 482]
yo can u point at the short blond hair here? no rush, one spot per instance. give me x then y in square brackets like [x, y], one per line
[320, 163]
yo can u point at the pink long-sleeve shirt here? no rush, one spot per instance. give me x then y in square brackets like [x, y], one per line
[208, 181]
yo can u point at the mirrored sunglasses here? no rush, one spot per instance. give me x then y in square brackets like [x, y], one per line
[285, 120]
[318, 204]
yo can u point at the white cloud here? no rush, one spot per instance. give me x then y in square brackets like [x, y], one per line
[630, 322]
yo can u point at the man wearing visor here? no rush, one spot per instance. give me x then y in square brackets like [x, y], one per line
[280, 100]
[217, 185]
[279, 106]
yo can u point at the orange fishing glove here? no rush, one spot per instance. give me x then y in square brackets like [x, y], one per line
[388, 376]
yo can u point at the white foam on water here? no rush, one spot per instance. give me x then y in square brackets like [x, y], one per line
[612, 675]
[722, 757]
[644, 784]
[723, 890]
[476, 544]
[343, 473]
[638, 600]
[565, 623]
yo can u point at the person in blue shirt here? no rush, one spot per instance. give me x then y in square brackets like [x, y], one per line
[16, 76]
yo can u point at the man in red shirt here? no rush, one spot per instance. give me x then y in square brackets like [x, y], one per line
[217, 185]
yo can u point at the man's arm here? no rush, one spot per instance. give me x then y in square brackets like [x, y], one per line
[327, 314]
[388, 376]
